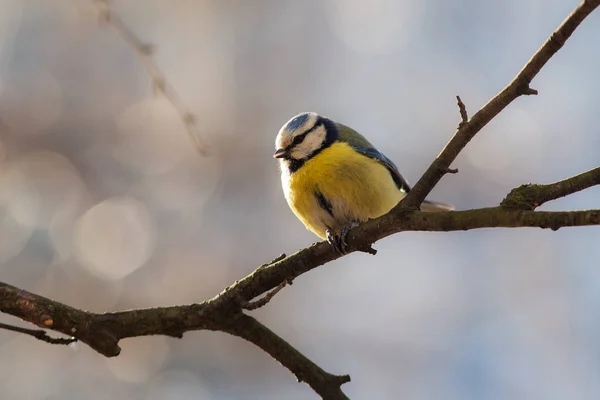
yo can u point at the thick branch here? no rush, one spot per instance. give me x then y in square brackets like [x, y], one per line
[320, 253]
[102, 332]
[518, 87]
[49, 314]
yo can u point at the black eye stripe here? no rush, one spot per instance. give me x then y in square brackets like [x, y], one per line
[300, 138]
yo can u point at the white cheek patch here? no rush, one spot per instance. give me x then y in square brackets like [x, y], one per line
[315, 139]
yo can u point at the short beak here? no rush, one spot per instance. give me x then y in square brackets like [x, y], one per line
[280, 153]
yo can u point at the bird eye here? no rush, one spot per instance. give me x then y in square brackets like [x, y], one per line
[298, 139]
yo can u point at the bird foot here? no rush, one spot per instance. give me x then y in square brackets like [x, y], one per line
[337, 240]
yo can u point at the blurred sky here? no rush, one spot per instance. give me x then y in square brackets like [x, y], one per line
[105, 205]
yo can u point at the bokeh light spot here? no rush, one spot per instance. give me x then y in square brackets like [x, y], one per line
[513, 140]
[14, 237]
[40, 187]
[154, 137]
[31, 101]
[115, 237]
[177, 384]
[140, 359]
[376, 27]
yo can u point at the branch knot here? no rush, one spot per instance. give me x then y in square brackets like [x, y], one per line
[523, 197]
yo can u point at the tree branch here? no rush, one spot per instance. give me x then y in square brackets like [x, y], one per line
[38, 334]
[529, 197]
[327, 385]
[271, 276]
[102, 332]
[462, 109]
[518, 87]
[253, 305]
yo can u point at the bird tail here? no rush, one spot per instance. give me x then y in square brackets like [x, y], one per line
[434, 206]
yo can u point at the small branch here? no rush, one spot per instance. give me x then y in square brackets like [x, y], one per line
[327, 385]
[38, 334]
[253, 305]
[529, 197]
[159, 81]
[463, 111]
[518, 87]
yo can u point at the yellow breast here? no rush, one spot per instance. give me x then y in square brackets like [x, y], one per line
[355, 187]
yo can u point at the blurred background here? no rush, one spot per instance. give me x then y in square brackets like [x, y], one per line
[105, 204]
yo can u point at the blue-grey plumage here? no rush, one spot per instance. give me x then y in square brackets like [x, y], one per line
[334, 178]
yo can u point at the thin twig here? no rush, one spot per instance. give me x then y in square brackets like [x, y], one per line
[38, 334]
[462, 109]
[263, 301]
[159, 81]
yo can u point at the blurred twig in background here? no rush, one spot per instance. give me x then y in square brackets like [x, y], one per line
[225, 312]
[159, 81]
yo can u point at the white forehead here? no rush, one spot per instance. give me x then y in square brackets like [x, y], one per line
[296, 125]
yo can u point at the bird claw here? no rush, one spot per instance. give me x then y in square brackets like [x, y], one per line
[338, 240]
[334, 241]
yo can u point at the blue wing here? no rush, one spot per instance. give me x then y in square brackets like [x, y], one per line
[364, 147]
[375, 154]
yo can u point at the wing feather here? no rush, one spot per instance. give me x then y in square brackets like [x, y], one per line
[364, 147]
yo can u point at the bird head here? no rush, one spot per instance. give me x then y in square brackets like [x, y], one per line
[303, 136]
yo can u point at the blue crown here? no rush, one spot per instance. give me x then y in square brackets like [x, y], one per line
[297, 122]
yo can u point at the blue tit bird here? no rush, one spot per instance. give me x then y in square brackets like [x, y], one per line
[333, 178]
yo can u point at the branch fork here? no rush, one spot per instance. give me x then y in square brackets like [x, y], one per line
[225, 312]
